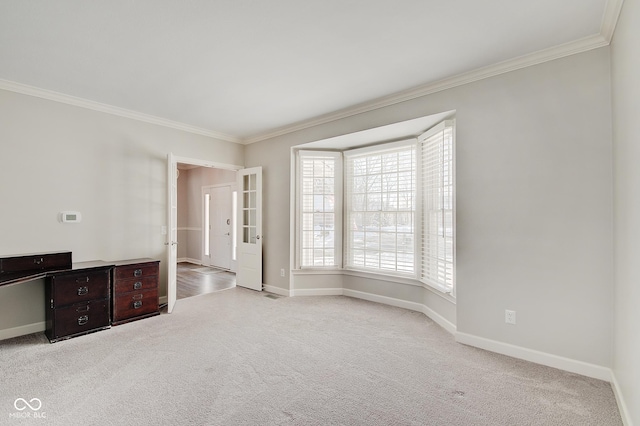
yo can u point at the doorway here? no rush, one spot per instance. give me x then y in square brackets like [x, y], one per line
[205, 230]
[192, 271]
[248, 216]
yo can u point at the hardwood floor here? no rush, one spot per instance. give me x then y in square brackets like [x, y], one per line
[196, 279]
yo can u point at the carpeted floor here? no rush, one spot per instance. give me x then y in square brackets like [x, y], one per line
[236, 357]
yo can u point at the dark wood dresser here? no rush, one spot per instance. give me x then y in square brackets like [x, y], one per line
[77, 300]
[135, 290]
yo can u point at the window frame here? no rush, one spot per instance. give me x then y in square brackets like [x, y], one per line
[337, 210]
[348, 201]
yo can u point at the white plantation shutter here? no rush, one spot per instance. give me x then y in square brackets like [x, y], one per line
[320, 209]
[380, 198]
[438, 207]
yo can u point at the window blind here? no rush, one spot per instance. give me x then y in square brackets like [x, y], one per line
[320, 201]
[438, 203]
[380, 192]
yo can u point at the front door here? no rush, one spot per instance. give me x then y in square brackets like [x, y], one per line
[219, 226]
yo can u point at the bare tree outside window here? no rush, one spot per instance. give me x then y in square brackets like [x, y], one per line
[380, 195]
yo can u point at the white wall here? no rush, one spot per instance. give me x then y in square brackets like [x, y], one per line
[626, 107]
[56, 157]
[534, 188]
[534, 208]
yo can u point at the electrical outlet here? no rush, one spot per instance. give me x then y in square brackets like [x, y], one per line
[282, 272]
[509, 316]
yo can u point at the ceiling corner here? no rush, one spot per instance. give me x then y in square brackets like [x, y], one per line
[610, 18]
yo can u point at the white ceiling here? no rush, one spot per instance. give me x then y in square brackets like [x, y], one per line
[244, 70]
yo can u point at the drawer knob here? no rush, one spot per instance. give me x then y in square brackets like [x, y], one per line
[83, 290]
[137, 285]
[38, 261]
[137, 273]
[83, 320]
[137, 304]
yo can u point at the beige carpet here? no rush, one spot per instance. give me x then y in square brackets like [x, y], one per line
[237, 357]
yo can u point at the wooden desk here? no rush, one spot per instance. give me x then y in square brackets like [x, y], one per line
[84, 297]
[27, 267]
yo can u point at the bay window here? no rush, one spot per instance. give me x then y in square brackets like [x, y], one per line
[399, 208]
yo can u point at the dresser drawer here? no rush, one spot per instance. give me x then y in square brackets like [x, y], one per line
[135, 304]
[80, 318]
[35, 262]
[71, 288]
[136, 271]
[135, 284]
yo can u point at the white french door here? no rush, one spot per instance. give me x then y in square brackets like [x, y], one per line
[172, 234]
[249, 229]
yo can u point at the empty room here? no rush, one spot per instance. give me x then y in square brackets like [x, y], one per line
[320, 212]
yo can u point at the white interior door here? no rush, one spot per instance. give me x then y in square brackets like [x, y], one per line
[172, 226]
[250, 239]
[220, 223]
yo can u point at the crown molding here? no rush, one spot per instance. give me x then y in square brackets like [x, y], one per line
[607, 28]
[110, 109]
[610, 18]
[550, 54]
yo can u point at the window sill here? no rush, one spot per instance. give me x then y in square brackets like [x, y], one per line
[317, 271]
[407, 280]
[375, 276]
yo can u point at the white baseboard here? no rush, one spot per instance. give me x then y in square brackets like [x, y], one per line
[550, 360]
[439, 319]
[317, 292]
[412, 306]
[277, 290]
[555, 361]
[22, 330]
[189, 260]
[163, 300]
[622, 406]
